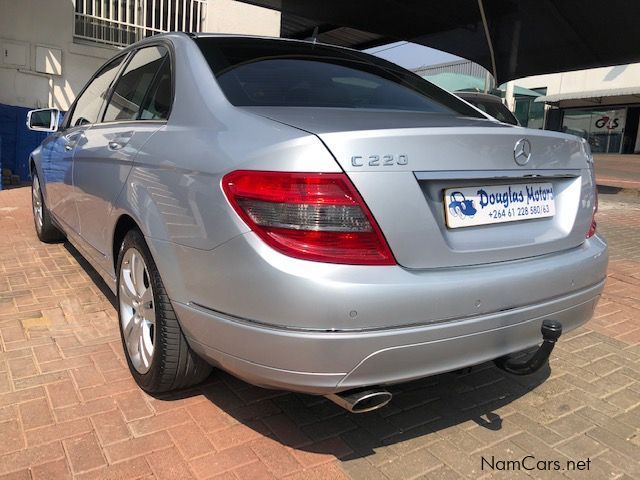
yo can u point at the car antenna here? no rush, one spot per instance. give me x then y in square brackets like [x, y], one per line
[314, 35]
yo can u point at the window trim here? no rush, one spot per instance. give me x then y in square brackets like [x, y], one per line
[132, 52]
[67, 119]
[127, 55]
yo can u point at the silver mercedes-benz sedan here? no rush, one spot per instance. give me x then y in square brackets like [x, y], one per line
[313, 218]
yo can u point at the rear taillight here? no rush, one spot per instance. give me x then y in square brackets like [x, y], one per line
[592, 172]
[312, 216]
[593, 225]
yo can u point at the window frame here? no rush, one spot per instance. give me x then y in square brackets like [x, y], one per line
[67, 118]
[126, 58]
[103, 111]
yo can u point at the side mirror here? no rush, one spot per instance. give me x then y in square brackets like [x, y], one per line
[43, 120]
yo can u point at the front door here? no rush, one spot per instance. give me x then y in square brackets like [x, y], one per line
[57, 171]
[58, 151]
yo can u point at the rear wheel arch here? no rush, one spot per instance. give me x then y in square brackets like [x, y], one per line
[124, 225]
[173, 364]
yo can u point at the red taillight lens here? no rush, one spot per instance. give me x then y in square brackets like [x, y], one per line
[593, 226]
[312, 216]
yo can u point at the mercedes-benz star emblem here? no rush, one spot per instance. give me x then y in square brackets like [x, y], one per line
[522, 151]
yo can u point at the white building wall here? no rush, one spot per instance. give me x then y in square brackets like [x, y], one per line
[33, 23]
[619, 76]
[26, 25]
[229, 16]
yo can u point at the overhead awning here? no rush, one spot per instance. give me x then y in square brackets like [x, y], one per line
[609, 92]
[510, 38]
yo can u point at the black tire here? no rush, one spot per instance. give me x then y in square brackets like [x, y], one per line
[174, 364]
[47, 232]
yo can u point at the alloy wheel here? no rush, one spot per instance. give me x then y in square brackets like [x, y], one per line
[36, 201]
[137, 310]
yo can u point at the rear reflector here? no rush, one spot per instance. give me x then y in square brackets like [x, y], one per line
[312, 216]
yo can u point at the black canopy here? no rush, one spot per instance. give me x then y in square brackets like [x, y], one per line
[510, 38]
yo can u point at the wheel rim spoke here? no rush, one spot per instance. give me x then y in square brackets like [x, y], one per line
[133, 274]
[145, 346]
[128, 327]
[150, 315]
[147, 297]
[135, 334]
[36, 197]
[127, 289]
[137, 310]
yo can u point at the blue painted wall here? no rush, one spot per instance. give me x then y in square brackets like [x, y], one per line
[16, 140]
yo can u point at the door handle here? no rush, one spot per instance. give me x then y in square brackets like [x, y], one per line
[71, 140]
[117, 145]
[120, 141]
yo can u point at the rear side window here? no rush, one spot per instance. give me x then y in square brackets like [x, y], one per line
[158, 101]
[261, 72]
[90, 102]
[134, 85]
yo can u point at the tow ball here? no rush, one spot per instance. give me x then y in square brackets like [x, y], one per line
[551, 331]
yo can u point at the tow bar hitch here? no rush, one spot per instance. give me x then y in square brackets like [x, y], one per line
[551, 331]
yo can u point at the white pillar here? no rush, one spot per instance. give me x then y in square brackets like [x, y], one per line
[509, 98]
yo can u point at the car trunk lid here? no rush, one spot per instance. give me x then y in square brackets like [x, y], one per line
[403, 163]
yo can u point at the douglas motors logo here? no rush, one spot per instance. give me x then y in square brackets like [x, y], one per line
[459, 206]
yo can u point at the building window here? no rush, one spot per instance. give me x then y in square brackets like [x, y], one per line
[123, 22]
[602, 127]
[529, 113]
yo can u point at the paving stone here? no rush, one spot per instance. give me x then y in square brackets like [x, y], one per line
[84, 453]
[279, 461]
[58, 431]
[135, 468]
[56, 470]
[11, 437]
[218, 463]
[169, 465]
[138, 446]
[190, 440]
[35, 413]
[62, 394]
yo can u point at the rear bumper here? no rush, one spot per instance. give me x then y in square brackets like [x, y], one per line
[319, 328]
[327, 362]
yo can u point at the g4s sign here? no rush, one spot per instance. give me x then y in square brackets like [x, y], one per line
[607, 122]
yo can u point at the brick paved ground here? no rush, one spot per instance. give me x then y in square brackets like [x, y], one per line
[618, 170]
[69, 407]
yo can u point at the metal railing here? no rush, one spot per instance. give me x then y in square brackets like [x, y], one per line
[123, 22]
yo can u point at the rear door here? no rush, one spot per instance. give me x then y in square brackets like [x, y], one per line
[138, 106]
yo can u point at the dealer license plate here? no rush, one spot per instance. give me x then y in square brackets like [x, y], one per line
[471, 206]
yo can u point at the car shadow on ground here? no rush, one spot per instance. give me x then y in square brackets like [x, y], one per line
[308, 422]
[93, 274]
[418, 408]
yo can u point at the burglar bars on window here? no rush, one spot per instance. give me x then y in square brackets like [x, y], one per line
[123, 22]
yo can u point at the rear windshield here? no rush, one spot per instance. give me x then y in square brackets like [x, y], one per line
[262, 72]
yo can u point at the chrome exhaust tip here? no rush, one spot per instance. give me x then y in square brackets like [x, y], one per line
[361, 401]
